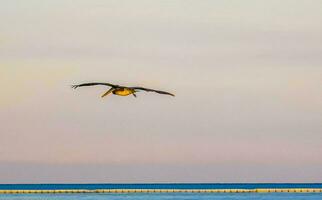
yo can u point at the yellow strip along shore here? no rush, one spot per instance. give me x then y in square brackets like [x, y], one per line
[119, 191]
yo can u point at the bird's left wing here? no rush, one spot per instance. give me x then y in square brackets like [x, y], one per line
[93, 84]
[152, 90]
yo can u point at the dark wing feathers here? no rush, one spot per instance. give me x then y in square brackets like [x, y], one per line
[151, 90]
[92, 84]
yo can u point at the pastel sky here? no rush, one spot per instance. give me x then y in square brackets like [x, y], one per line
[247, 77]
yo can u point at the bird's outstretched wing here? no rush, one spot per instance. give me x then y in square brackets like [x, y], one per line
[151, 90]
[93, 84]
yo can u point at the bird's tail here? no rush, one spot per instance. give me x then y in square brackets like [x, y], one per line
[108, 92]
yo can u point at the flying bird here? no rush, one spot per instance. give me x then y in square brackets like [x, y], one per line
[121, 90]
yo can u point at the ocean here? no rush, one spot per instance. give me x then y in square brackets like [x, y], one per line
[161, 196]
[174, 196]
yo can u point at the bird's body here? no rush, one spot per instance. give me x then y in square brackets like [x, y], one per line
[121, 90]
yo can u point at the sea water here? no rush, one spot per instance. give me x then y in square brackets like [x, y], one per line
[161, 196]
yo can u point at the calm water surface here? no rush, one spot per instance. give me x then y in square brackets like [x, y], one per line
[178, 196]
[162, 196]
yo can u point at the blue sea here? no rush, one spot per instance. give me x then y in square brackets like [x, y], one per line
[161, 196]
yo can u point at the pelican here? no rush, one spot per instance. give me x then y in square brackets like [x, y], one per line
[121, 90]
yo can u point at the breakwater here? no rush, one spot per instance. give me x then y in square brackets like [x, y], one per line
[119, 191]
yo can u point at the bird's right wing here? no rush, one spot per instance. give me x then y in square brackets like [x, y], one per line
[152, 90]
[93, 84]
